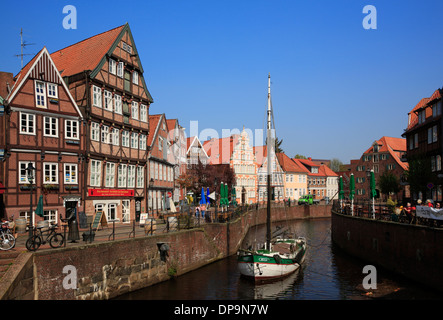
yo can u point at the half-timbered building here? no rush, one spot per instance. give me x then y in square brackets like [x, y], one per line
[41, 125]
[105, 76]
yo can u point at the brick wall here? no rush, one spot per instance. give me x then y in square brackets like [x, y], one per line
[106, 270]
[412, 251]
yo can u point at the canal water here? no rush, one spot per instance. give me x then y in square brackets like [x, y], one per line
[327, 274]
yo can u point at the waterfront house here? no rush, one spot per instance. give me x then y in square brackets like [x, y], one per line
[384, 155]
[424, 143]
[239, 154]
[41, 125]
[105, 76]
[161, 165]
[277, 184]
[295, 177]
[177, 139]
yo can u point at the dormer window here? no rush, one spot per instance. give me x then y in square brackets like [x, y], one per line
[421, 116]
[375, 148]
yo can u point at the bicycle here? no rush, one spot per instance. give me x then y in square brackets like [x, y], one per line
[55, 239]
[7, 239]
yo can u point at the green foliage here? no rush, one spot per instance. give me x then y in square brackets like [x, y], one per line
[388, 183]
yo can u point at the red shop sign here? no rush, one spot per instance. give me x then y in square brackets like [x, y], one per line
[110, 193]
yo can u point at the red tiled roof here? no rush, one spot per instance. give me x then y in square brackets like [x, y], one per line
[394, 146]
[22, 74]
[154, 120]
[328, 171]
[302, 167]
[220, 150]
[86, 54]
[287, 164]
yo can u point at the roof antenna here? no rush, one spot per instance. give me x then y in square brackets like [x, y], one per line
[23, 45]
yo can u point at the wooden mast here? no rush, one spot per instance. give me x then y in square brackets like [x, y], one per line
[268, 154]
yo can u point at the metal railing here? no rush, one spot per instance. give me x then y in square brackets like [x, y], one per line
[383, 212]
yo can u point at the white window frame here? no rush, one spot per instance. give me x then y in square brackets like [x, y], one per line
[115, 136]
[160, 143]
[52, 87]
[74, 128]
[96, 171]
[104, 138]
[134, 140]
[131, 176]
[23, 178]
[52, 177]
[53, 131]
[96, 96]
[122, 175]
[143, 112]
[120, 69]
[108, 100]
[95, 131]
[125, 138]
[142, 142]
[134, 110]
[27, 127]
[40, 94]
[70, 171]
[118, 103]
[140, 176]
[110, 175]
[135, 77]
[112, 66]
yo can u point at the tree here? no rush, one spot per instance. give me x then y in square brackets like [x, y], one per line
[419, 174]
[335, 165]
[388, 183]
[299, 156]
[278, 143]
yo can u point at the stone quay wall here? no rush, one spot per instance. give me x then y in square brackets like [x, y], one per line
[413, 251]
[106, 270]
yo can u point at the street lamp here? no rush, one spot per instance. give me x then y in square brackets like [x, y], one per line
[30, 175]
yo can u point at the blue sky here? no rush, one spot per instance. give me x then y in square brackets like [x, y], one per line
[336, 87]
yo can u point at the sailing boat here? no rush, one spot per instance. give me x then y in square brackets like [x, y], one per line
[281, 256]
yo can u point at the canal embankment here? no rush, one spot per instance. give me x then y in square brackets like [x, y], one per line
[413, 251]
[105, 270]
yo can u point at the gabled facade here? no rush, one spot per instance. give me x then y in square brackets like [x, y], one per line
[41, 124]
[316, 178]
[161, 165]
[195, 153]
[277, 174]
[383, 155]
[177, 139]
[424, 140]
[295, 177]
[245, 167]
[105, 77]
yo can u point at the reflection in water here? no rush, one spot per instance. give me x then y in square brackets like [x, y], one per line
[327, 274]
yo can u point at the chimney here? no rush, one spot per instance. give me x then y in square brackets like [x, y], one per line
[6, 79]
[310, 159]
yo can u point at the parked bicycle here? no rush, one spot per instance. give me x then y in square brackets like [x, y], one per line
[55, 239]
[7, 239]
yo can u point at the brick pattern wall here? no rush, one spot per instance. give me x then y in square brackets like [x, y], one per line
[106, 270]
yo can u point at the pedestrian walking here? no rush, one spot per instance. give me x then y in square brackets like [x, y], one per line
[203, 209]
